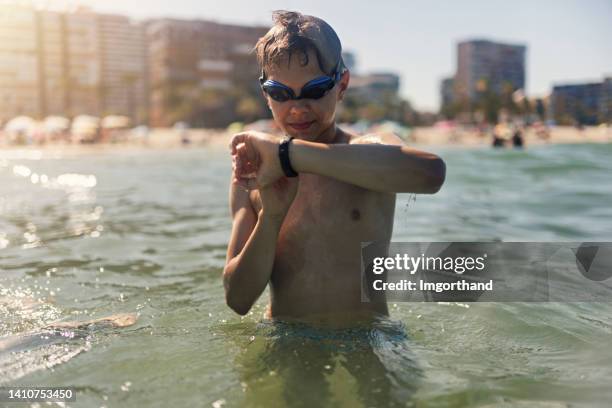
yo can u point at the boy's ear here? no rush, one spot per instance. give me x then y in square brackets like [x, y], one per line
[266, 99]
[344, 83]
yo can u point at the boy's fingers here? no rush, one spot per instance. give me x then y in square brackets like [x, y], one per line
[242, 186]
[247, 161]
[251, 153]
[242, 154]
[236, 148]
[241, 182]
[246, 183]
[236, 140]
[240, 157]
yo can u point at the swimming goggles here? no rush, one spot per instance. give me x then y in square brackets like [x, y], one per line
[315, 89]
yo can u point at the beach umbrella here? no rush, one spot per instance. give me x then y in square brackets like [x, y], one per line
[85, 127]
[21, 129]
[85, 122]
[53, 124]
[20, 124]
[86, 118]
[116, 122]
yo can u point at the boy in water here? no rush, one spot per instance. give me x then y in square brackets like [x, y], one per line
[302, 204]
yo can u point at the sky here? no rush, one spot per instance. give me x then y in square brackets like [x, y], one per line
[568, 41]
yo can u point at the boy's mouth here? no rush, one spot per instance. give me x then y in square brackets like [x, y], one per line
[301, 125]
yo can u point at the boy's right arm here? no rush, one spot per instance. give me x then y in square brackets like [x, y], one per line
[250, 253]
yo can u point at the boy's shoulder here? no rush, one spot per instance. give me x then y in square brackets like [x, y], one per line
[387, 138]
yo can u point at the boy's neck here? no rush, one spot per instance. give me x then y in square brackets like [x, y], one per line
[330, 135]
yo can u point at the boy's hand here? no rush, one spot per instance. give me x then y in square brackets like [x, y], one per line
[255, 156]
[277, 197]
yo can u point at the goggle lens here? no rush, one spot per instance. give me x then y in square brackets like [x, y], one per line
[277, 93]
[315, 89]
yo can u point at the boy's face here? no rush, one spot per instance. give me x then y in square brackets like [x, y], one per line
[304, 119]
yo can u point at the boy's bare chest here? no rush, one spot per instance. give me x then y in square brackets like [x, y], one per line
[325, 226]
[330, 207]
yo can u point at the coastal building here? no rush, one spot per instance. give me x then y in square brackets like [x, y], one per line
[71, 63]
[19, 63]
[486, 66]
[83, 63]
[53, 69]
[447, 91]
[123, 65]
[374, 87]
[605, 107]
[584, 104]
[190, 60]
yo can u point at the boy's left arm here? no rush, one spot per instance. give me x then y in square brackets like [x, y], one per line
[380, 163]
[375, 162]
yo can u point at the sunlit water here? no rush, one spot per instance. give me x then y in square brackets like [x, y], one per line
[86, 235]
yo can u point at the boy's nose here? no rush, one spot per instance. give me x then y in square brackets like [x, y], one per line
[299, 106]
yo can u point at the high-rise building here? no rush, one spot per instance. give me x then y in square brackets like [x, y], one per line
[123, 76]
[447, 91]
[577, 103]
[83, 54]
[73, 63]
[188, 58]
[486, 66]
[374, 87]
[53, 69]
[19, 63]
[605, 110]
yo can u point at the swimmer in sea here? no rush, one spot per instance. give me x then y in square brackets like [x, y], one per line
[303, 203]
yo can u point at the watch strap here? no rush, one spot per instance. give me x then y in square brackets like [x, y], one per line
[283, 155]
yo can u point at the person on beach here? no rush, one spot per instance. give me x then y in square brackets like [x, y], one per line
[498, 139]
[518, 141]
[302, 203]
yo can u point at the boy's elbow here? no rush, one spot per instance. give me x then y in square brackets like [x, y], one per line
[241, 308]
[235, 300]
[436, 176]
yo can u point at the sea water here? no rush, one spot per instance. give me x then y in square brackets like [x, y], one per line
[85, 234]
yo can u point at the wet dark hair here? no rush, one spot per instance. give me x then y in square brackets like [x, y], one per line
[294, 34]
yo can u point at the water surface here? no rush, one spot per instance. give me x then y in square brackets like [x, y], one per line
[85, 235]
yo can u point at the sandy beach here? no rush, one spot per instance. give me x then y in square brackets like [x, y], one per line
[557, 135]
[161, 137]
[166, 138]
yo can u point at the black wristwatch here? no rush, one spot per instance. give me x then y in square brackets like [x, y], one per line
[283, 156]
